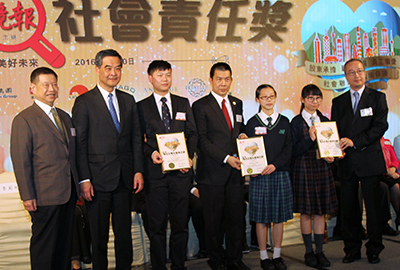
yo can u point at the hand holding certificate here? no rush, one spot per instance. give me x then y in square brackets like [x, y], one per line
[173, 150]
[328, 139]
[252, 155]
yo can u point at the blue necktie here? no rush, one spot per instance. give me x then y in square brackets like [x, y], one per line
[166, 117]
[356, 99]
[113, 112]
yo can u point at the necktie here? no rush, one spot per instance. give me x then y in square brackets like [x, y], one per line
[166, 117]
[312, 118]
[59, 124]
[269, 119]
[226, 114]
[356, 99]
[113, 112]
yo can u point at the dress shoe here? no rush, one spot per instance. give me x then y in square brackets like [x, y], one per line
[201, 254]
[387, 230]
[350, 257]
[215, 265]
[267, 264]
[279, 264]
[374, 259]
[238, 266]
[310, 259]
[246, 249]
[322, 260]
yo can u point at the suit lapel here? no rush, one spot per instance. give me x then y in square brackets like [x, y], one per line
[235, 112]
[122, 110]
[174, 104]
[218, 111]
[152, 109]
[99, 101]
[362, 103]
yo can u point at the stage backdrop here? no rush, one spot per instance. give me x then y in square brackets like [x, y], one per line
[284, 43]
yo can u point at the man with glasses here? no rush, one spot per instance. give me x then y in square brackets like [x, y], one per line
[361, 117]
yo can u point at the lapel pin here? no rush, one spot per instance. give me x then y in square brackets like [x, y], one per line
[234, 103]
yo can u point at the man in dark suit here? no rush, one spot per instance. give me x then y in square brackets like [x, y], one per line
[109, 155]
[43, 155]
[361, 117]
[219, 122]
[167, 194]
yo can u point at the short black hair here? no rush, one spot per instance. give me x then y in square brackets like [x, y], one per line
[261, 87]
[158, 65]
[310, 89]
[352, 60]
[41, 70]
[104, 53]
[220, 66]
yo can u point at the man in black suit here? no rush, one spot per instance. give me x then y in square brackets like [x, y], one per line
[109, 154]
[219, 122]
[43, 154]
[361, 117]
[167, 194]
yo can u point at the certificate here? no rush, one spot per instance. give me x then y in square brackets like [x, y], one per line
[252, 155]
[173, 150]
[328, 139]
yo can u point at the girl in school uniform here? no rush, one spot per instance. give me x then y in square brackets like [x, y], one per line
[313, 185]
[270, 194]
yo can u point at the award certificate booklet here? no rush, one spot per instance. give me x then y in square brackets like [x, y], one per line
[252, 155]
[328, 139]
[173, 150]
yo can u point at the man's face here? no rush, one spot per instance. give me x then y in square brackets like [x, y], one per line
[221, 82]
[109, 73]
[161, 81]
[355, 75]
[45, 89]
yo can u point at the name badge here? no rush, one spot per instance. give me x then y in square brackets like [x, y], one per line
[180, 116]
[239, 118]
[260, 130]
[366, 112]
[73, 132]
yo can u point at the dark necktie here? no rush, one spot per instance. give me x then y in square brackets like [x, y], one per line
[113, 112]
[356, 99]
[226, 114]
[166, 117]
[312, 118]
[269, 119]
[59, 124]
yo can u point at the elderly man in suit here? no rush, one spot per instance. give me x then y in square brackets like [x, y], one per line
[361, 117]
[43, 155]
[167, 194]
[219, 122]
[109, 155]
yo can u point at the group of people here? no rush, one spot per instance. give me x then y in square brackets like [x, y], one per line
[107, 152]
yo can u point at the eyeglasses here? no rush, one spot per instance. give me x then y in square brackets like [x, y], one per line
[273, 97]
[312, 99]
[352, 73]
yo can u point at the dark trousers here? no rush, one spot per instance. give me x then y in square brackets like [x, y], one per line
[223, 216]
[168, 197]
[81, 240]
[52, 235]
[118, 204]
[351, 214]
[196, 212]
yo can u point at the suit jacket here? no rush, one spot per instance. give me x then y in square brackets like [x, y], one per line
[44, 165]
[103, 154]
[215, 139]
[366, 157]
[151, 124]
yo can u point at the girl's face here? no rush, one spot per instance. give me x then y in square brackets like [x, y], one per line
[267, 99]
[311, 103]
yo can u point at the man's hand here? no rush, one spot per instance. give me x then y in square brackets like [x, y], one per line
[196, 193]
[329, 159]
[138, 182]
[87, 191]
[345, 142]
[30, 205]
[156, 157]
[234, 162]
[190, 164]
[243, 136]
[268, 170]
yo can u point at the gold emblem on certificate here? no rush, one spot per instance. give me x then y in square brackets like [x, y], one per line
[252, 155]
[173, 150]
[328, 139]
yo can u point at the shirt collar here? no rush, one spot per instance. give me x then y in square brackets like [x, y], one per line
[264, 116]
[307, 115]
[46, 108]
[105, 93]
[158, 97]
[360, 91]
[219, 98]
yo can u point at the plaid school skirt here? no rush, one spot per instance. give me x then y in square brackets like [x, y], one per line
[270, 198]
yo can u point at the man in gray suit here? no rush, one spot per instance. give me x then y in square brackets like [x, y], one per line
[43, 155]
